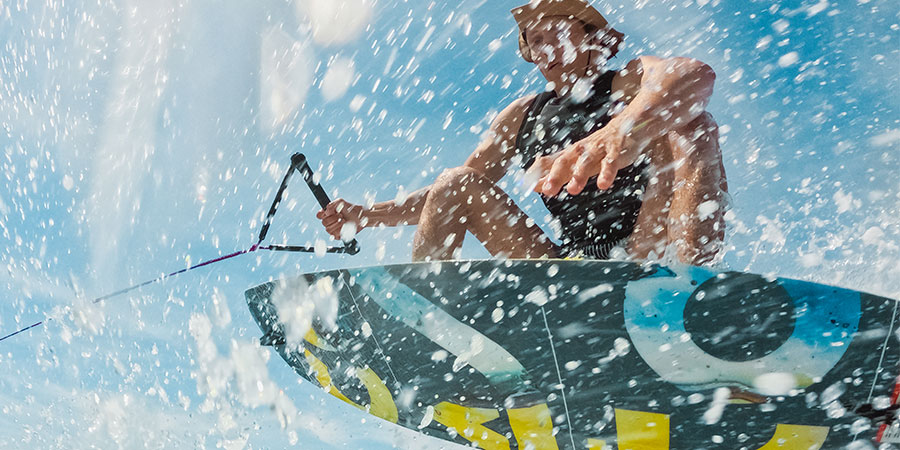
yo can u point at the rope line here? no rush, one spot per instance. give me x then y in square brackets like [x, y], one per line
[299, 164]
[22, 330]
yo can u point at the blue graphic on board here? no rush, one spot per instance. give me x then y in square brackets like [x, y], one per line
[468, 345]
[823, 323]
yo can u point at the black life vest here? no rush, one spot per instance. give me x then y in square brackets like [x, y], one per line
[594, 221]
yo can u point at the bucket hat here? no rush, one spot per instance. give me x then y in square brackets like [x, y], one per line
[530, 14]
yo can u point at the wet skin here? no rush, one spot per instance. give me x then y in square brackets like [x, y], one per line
[664, 119]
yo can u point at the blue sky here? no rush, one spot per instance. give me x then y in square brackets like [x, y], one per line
[141, 136]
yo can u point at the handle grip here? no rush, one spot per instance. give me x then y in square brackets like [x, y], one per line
[298, 161]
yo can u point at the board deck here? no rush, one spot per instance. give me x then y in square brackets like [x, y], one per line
[549, 354]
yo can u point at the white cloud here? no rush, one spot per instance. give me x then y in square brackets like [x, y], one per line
[338, 79]
[887, 138]
[335, 22]
[285, 76]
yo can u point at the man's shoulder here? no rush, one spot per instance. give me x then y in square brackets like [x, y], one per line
[521, 104]
[628, 79]
[636, 66]
[515, 110]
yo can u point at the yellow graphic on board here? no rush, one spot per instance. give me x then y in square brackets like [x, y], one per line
[638, 430]
[468, 424]
[533, 427]
[324, 378]
[381, 401]
[796, 437]
[315, 340]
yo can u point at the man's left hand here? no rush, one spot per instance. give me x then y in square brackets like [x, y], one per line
[602, 153]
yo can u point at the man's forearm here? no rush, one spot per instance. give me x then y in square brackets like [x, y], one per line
[673, 95]
[393, 213]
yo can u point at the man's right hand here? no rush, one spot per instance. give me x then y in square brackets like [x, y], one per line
[342, 219]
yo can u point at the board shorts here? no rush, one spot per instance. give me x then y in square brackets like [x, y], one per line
[595, 221]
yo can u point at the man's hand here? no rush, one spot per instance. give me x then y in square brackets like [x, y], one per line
[602, 153]
[342, 219]
[539, 170]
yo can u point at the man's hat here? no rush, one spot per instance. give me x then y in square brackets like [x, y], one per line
[529, 15]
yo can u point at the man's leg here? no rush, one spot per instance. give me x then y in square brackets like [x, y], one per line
[463, 199]
[685, 205]
[650, 236]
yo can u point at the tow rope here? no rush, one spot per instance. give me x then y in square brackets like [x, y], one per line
[298, 164]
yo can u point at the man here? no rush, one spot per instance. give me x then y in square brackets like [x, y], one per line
[625, 158]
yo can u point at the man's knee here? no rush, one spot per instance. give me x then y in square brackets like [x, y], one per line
[452, 180]
[696, 141]
[458, 175]
[704, 122]
[453, 185]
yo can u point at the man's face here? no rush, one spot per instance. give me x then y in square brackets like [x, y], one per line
[559, 47]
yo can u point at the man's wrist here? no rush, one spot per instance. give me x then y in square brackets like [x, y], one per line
[365, 217]
[622, 127]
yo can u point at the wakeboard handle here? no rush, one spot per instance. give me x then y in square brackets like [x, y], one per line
[300, 164]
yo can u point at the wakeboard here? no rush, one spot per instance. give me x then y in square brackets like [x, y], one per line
[569, 354]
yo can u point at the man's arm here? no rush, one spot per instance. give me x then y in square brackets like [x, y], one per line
[393, 212]
[496, 149]
[491, 157]
[662, 95]
[672, 93]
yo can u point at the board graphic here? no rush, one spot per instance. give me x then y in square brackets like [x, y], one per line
[566, 354]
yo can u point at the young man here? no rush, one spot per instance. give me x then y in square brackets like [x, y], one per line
[625, 158]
